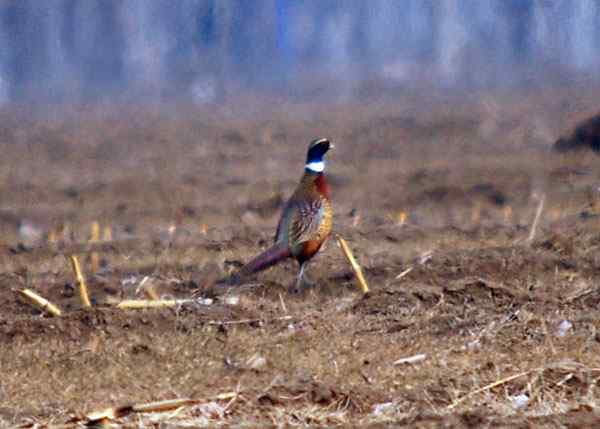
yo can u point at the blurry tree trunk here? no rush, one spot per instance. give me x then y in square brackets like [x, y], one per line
[223, 12]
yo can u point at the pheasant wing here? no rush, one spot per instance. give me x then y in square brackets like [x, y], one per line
[305, 220]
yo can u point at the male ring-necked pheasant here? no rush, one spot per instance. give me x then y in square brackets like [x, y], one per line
[305, 221]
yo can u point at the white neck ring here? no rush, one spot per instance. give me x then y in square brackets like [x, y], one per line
[317, 167]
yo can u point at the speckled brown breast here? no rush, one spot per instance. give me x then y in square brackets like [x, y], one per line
[311, 247]
[326, 222]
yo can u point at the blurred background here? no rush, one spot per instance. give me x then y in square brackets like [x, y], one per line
[149, 113]
[207, 50]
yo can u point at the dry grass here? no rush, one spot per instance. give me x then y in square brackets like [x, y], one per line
[435, 196]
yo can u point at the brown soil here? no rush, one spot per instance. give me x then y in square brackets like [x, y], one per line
[191, 193]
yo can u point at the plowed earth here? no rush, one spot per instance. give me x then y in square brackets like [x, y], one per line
[473, 320]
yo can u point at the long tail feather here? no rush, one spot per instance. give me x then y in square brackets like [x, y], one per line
[266, 259]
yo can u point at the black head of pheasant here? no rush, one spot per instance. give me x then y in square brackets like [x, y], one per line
[315, 162]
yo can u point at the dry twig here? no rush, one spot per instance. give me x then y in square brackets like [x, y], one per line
[536, 220]
[162, 406]
[353, 264]
[107, 234]
[487, 387]
[83, 291]
[41, 302]
[95, 238]
[151, 407]
[404, 273]
[158, 303]
[411, 359]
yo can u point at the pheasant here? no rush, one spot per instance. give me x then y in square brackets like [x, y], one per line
[305, 222]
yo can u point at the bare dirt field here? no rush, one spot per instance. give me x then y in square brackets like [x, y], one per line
[475, 318]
